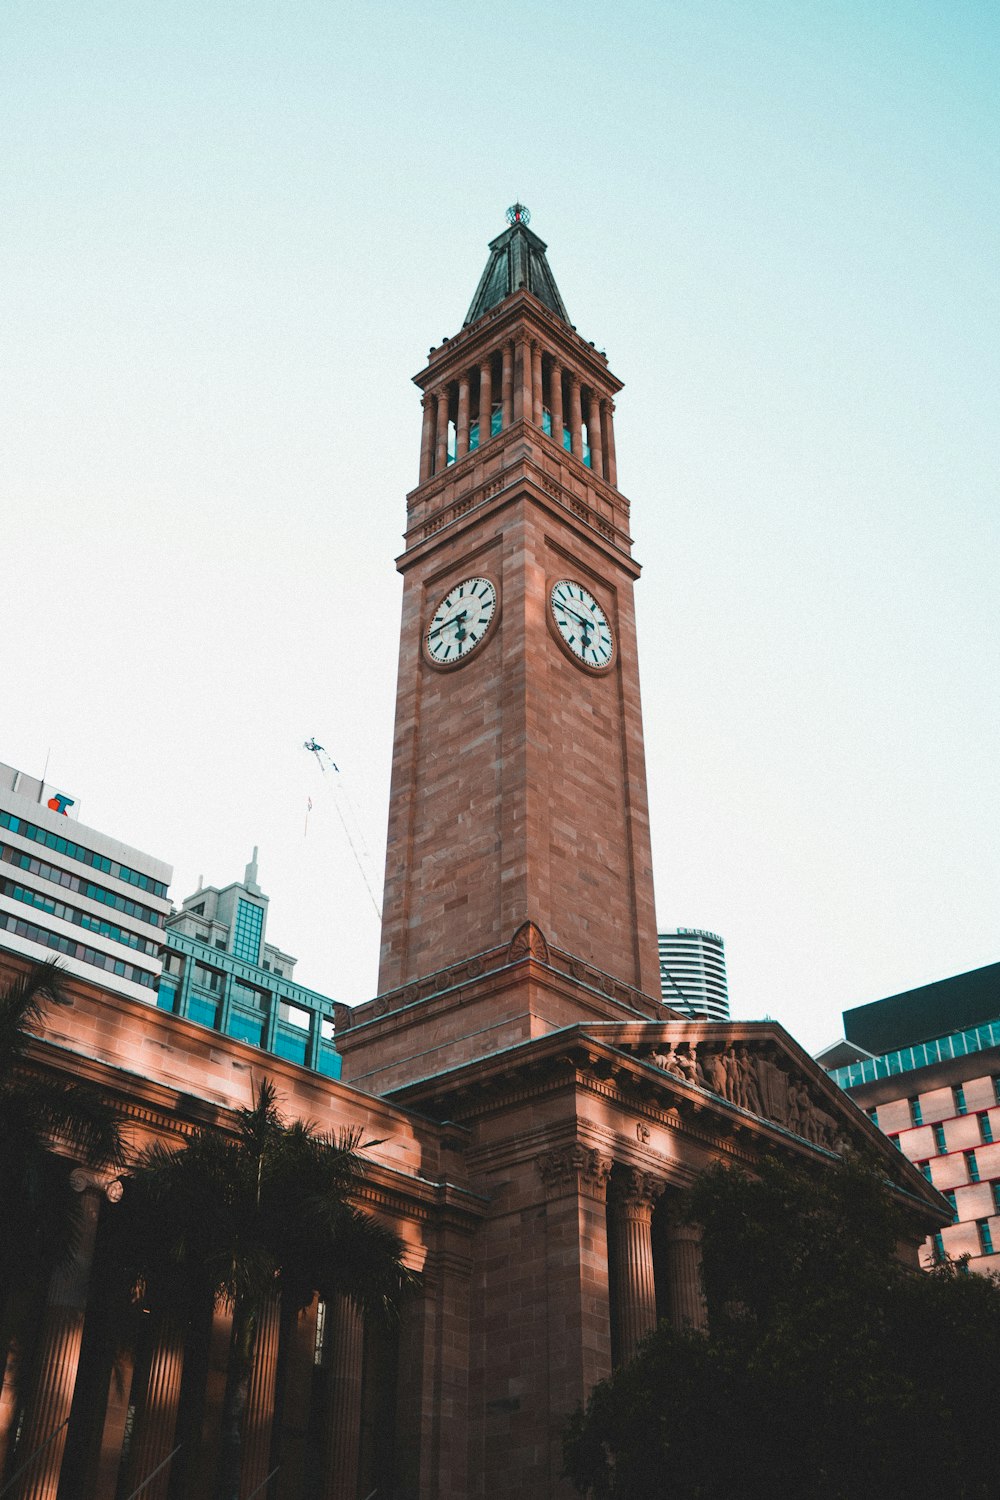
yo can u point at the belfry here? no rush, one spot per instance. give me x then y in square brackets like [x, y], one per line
[531, 1110]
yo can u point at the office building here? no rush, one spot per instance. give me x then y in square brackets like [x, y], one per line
[220, 971]
[693, 972]
[925, 1065]
[70, 893]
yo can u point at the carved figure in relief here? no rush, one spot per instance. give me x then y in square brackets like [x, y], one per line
[688, 1064]
[747, 1064]
[718, 1078]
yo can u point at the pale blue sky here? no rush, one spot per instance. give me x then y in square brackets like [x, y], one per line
[228, 235]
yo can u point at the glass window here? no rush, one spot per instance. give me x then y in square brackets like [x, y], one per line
[205, 1012]
[953, 1205]
[938, 1247]
[291, 1044]
[985, 1237]
[244, 1028]
[973, 1166]
[248, 930]
[939, 1139]
[959, 1093]
[925, 1167]
[166, 996]
[916, 1114]
[996, 1195]
[986, 1129]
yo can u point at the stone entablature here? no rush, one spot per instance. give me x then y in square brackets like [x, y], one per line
[488, 478]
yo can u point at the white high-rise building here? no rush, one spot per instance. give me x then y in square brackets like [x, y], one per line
[75, 895]
[693, 972]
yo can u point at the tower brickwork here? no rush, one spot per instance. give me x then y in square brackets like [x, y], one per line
[518, 783]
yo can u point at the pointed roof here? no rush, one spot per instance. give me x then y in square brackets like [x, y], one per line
[517, 260]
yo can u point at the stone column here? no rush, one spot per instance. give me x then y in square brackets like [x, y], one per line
[258, 1418]
[523, 397]
[345, 1347]
[633, 1194]
[685, 1296]
[608, 434]
[58, 1354]
[485, 401]
[536, 383]
[575, 418]
[157, 1415]
[576, 1268]
[442, 398]
[556, 402]
[507, 385]
[594, 434]
[462, 425]
[299, 1368]
[427, 438]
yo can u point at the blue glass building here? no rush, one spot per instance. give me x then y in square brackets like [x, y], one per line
[219, 971]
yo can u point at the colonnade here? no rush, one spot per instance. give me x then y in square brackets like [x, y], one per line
[83, 1427]
[518, 382]
[639, 1268]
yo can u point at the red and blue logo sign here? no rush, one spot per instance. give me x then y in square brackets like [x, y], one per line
[60, 802]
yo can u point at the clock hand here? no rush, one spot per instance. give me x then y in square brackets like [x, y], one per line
[455, 620]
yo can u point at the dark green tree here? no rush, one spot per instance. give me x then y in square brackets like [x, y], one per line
[267, 1212]
[829, 1370]
[47, 1126]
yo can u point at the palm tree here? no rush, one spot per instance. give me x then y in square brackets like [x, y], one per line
[245, 1217]
[46, 1127]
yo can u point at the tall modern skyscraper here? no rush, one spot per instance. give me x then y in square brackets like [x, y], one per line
[693, 972]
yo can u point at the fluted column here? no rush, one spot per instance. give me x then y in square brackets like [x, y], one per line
[259, 1415]
[608, 434]
[536, 383]
[427, 438]
[462, 425]
[507, 384]
[523, 398]
[442, 399]
[300, 1329]
[685, 1297]
[633, 1194]
[157, 1416]
[575, 418]
[345, 1342]
[594, 434]
[59, 1353]
[556, 402]
[485, 401]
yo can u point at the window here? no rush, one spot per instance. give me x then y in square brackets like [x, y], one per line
[248, 931]
[293, 1015]
[207, 979]
[925, 1167]
[872, 1115]
[916, 1114]
[938, 1247]
[952, 1205]
[939, 1139]
[973, 1166]
[996, 1089]
[985, 1237]
[959, 1093]
[996, 1195]
[197, 911]
[985, 1129]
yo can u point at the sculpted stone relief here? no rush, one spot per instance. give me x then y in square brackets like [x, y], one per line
[754, 1082]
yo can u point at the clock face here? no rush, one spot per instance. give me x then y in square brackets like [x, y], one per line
[461, 622]
[582, 624]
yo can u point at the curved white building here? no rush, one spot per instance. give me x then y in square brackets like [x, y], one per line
[693, 972]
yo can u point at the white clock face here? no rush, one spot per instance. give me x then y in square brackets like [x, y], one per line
[582, 624]
[460, 621]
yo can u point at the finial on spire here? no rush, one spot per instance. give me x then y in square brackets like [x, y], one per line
[250, 877]
[518, 214]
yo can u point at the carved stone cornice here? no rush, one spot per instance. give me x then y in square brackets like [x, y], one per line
[575, 1168]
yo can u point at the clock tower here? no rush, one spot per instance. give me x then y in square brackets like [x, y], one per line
[518, 781]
